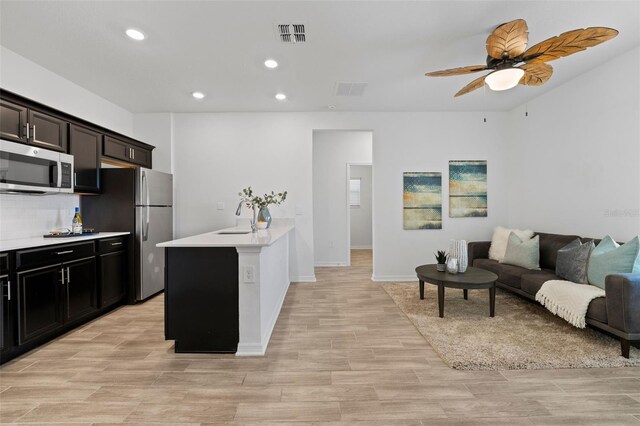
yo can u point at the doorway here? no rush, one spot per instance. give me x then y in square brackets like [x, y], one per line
[360, 207]
[334, 151]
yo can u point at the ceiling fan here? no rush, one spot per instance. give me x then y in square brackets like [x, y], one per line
[512, 63]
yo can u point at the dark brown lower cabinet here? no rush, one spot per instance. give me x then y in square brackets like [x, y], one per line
[81, 298]
[39, 307]
[56, 288]
[113, 272]
[5, 299]
[54, 295]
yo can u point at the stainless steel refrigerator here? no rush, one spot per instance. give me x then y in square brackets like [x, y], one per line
[139, 201]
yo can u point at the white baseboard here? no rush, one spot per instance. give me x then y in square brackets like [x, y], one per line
[362, 247]
[250, 349]
[304, 279]
[329, 264]
[394, 278]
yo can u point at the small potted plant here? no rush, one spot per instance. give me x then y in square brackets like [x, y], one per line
[441, 259]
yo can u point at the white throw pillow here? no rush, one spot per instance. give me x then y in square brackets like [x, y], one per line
[501, 238]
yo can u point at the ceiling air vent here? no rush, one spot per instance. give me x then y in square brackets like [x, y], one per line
[345, 88]
[291, 33]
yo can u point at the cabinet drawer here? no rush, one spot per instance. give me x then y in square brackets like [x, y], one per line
[53, 254]
[110, 245]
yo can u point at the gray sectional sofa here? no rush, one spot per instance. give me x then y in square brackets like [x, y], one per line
[618, 313]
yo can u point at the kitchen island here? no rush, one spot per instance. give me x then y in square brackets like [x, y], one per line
[224, 289]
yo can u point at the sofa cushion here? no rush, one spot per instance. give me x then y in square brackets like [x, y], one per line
[488, 264]
[572, 261]
[523, 253]
[609, 258]
[549, 246]
[507, 274]
[500, 239]
[531, 281]
[598, 309]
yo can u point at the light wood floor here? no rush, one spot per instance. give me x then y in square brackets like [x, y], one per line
[341, 353]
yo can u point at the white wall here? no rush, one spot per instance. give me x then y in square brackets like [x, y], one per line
[23, 216]
[156, 129]
[332, 150]
[574, 162]
[26, 78]
[218, 154]
[361, 225]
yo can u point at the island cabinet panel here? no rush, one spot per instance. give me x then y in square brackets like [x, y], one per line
[201, 293]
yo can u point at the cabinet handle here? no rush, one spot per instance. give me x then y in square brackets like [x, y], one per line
[133, 152]
[68, 275]
[116, 244]
[64, 252]
[34, 133]
[62, 274]
[26, 130]
[8, 290]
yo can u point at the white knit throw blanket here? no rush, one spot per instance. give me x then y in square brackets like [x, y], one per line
[568, 300]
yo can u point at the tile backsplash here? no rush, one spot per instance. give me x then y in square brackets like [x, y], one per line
[25, 216]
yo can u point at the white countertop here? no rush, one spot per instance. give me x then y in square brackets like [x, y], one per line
[22, 243]
[261, 238]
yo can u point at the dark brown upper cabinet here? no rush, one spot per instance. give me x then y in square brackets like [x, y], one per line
[47, 131]
[13, 121]
[21, 124]
[122, 151]
[84, 145]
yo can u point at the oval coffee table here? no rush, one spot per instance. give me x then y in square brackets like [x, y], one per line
[471, 279]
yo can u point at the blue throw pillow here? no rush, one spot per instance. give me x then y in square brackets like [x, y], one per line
[572, 261]
[610, 258]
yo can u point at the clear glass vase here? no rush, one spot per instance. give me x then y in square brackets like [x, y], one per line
[265, 216]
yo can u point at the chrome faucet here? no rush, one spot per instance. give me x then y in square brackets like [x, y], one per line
[249, 204]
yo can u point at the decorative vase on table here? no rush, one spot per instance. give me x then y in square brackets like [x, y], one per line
[265, 216]
[452, 265]
[458, 250]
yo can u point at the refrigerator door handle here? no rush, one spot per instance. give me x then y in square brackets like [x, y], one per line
[146, 233]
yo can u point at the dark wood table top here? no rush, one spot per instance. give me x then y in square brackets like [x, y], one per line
[471, 278]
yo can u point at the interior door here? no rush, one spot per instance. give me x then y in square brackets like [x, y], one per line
[155, 225]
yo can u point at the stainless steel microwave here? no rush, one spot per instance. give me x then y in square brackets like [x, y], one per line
[26, 169]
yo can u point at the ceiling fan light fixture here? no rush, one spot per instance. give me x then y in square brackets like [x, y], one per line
[504, 79]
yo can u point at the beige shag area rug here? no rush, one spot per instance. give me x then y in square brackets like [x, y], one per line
[522, 335]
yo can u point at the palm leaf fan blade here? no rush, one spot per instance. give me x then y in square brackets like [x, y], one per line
[536, 74]
[568, 43]
[475, 84]
[457, 71]
[510, 38]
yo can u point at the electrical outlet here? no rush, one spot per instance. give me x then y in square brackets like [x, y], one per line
[220, 205]
[249, 273]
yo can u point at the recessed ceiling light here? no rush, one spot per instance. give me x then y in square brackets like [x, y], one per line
[270, 63]
[331, 106]
[135, 34]
[281, 96]
[197, 95]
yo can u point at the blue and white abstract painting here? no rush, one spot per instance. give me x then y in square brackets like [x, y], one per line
[422, 200]
[468, 188]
